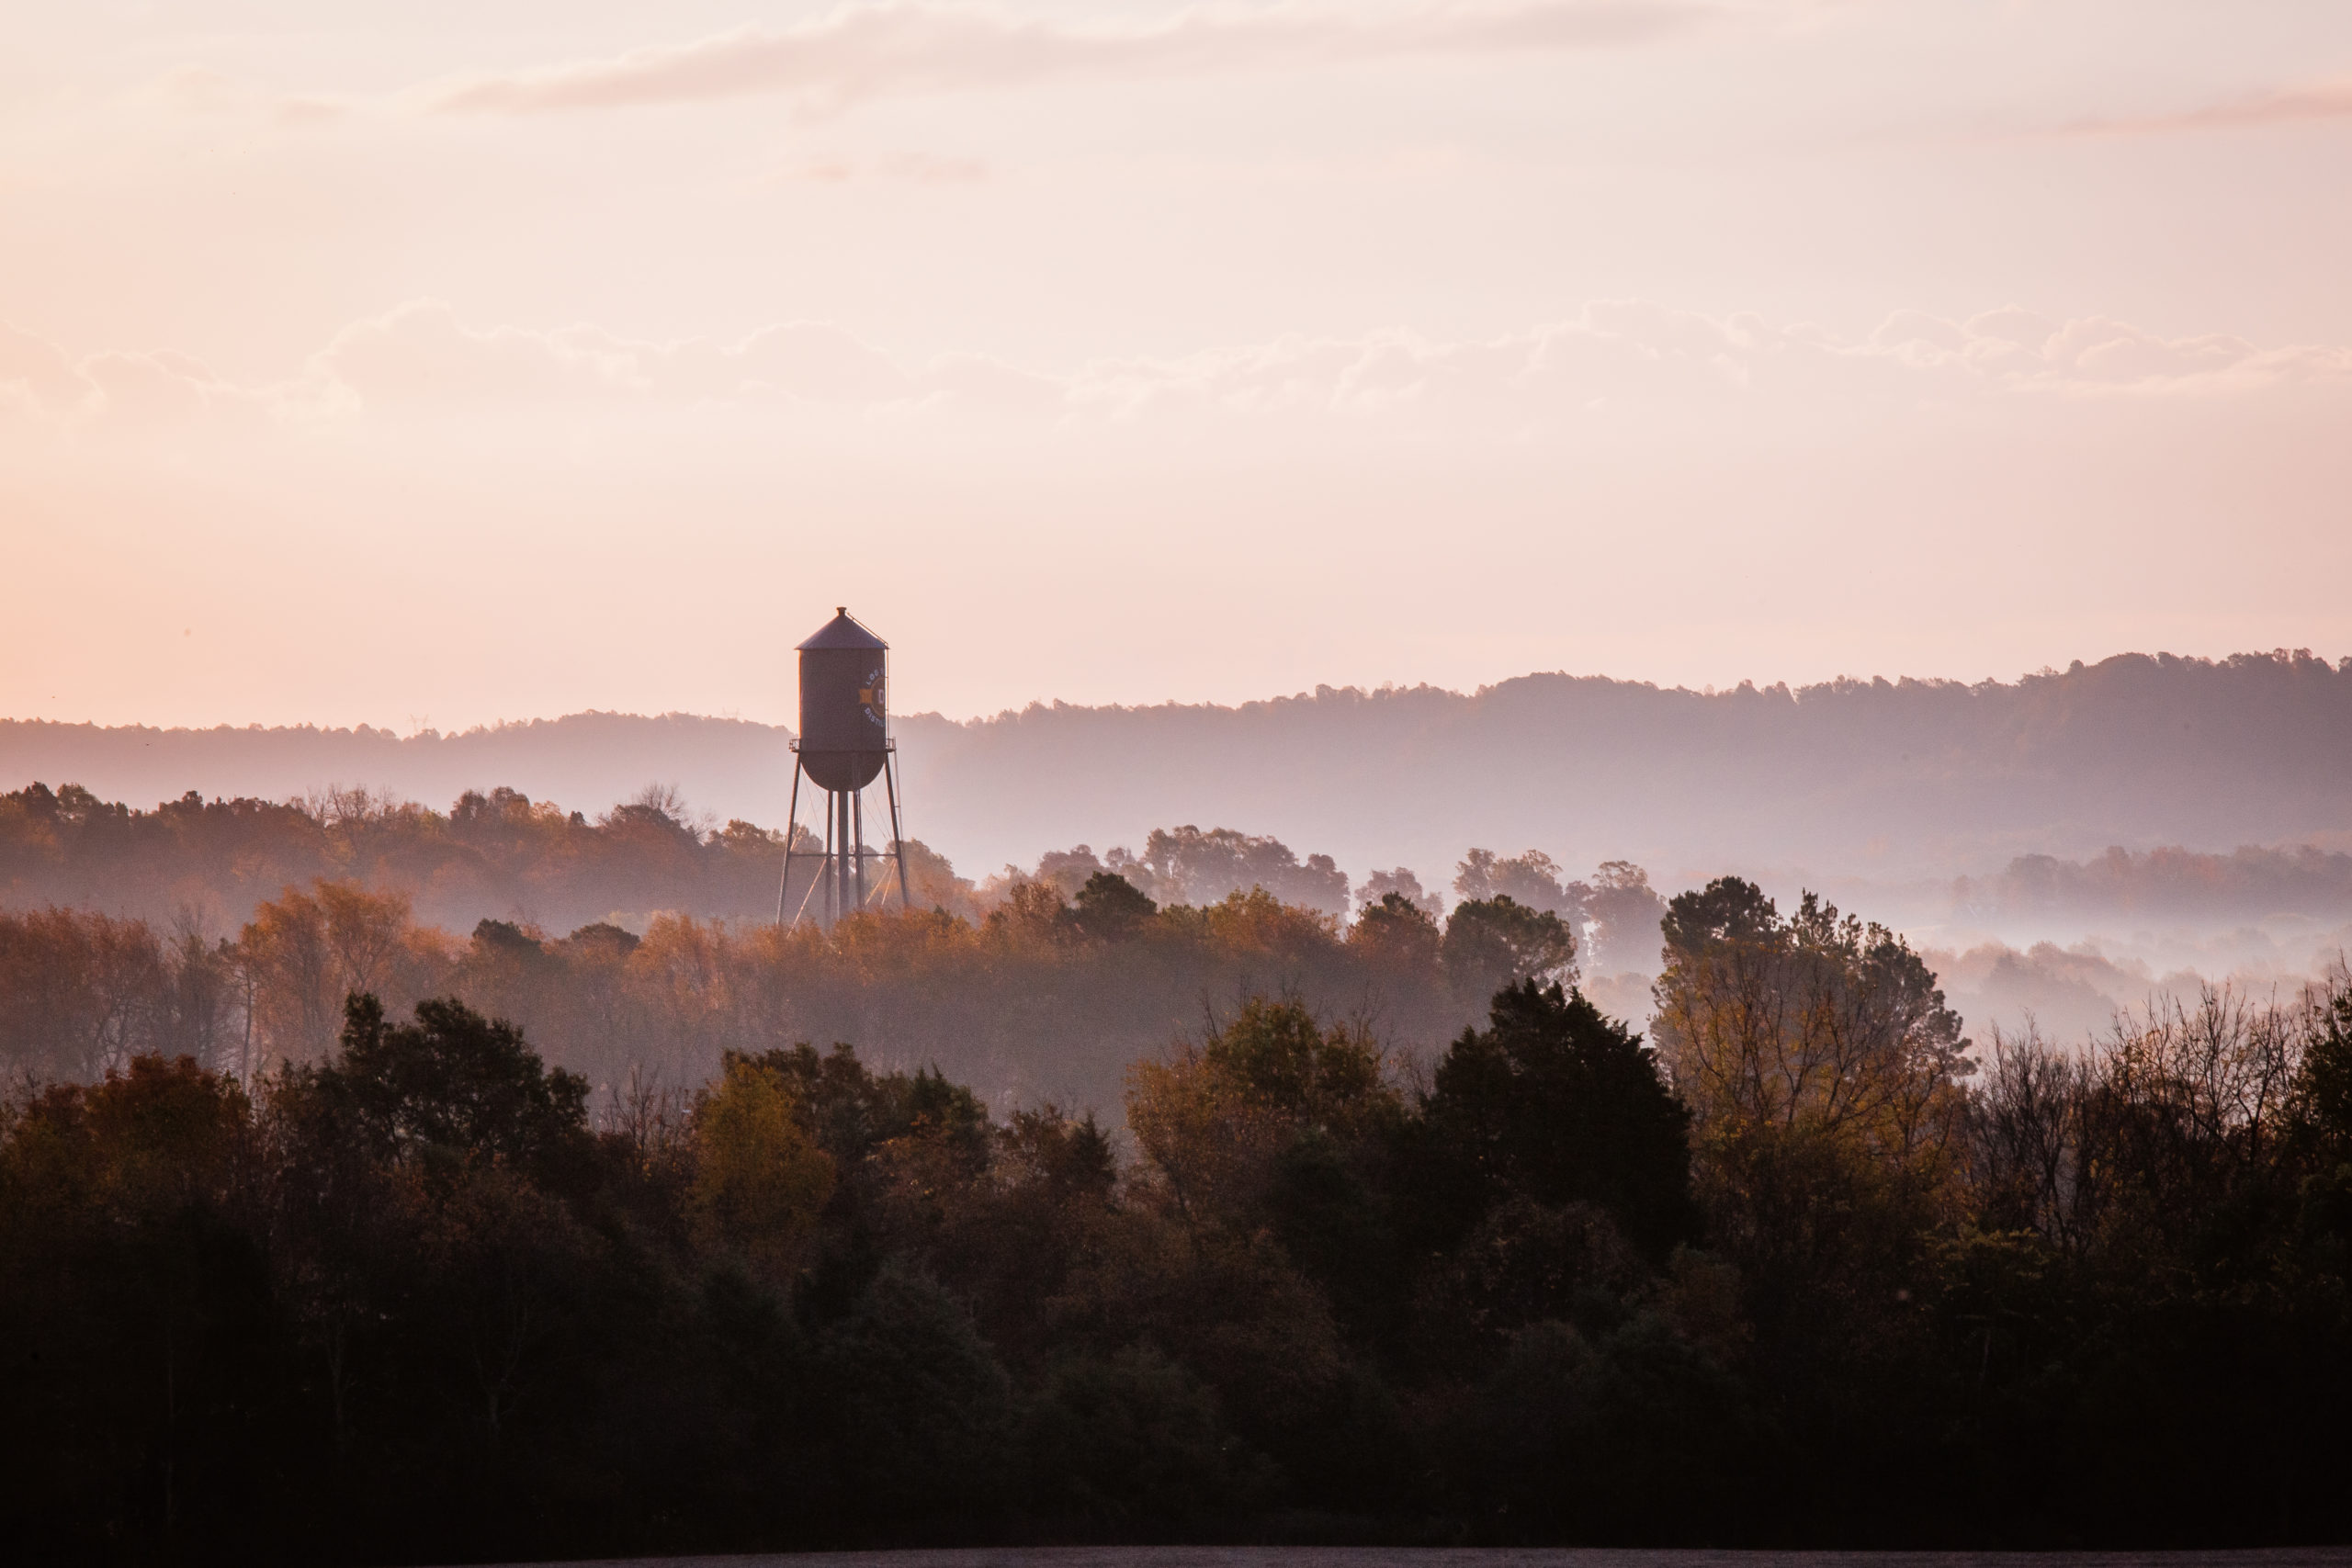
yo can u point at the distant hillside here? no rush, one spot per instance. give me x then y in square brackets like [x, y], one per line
[1893, 782]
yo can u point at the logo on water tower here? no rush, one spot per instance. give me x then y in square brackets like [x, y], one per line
[869, 697]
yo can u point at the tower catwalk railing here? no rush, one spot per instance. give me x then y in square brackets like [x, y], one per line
[840, 866]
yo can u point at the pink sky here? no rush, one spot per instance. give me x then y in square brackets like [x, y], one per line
[437, 363]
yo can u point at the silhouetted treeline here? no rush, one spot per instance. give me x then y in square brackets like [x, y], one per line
[497, 854]
[1810, 1271]
[2252, 882]
[592, 760]
[502, 856]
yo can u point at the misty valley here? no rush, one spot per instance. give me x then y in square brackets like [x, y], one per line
[1192, 1193]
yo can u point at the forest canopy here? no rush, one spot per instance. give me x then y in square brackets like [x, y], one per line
[1037, 984]
[1805, 1272]
[1092, 1203]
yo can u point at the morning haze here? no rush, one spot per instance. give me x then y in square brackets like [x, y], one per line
[1903, 782]
[2068, 845]
[1581, 782]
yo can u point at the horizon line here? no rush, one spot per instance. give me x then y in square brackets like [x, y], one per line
[1320, 693]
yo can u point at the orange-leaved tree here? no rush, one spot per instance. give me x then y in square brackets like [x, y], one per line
[1823, 1073]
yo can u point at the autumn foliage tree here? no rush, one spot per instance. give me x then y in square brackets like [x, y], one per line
[760, 1178]
[1824, 1079]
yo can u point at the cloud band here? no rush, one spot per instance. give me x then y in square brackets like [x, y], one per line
[901, 47]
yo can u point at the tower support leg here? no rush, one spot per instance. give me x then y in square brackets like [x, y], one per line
[791, 831]
[898, 829]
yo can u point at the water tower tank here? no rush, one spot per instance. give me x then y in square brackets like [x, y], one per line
[844, 723]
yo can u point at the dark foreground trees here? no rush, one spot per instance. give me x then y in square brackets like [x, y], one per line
[413, 1303]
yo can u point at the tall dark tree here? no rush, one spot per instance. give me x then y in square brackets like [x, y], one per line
[1110, 907]
[1498, 941]
[1555, 1102]
[454, 1083]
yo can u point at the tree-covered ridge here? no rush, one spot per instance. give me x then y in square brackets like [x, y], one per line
[1810, 1271]
[2253, 881]
[1894, 778]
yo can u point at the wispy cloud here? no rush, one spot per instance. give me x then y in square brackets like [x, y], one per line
[420, 359]
[904, 47]
[2299, 104]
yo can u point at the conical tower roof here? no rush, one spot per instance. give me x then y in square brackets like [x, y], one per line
[843, 631]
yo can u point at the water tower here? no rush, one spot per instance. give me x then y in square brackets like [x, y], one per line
[844, 745]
